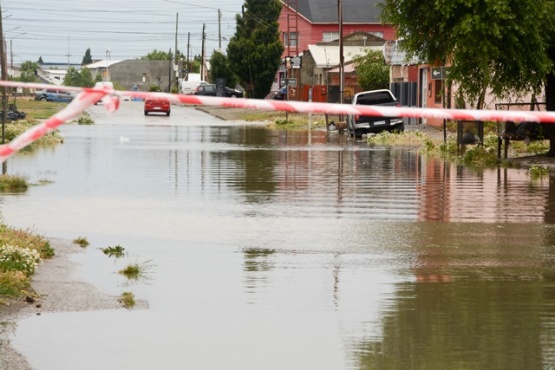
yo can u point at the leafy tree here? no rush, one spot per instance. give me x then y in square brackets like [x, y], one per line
[254, 52]
[86, 78]
[81, 78]
[506, 46]
[162, 55]
[219, 68]
[87, 58]
[40, 61]
[28, 70]
[372, 72]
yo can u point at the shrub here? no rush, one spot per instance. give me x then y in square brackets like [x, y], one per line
[19, 259]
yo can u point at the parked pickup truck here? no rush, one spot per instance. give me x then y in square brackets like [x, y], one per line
[359, 125]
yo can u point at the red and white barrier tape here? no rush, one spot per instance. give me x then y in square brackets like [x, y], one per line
[89, 96]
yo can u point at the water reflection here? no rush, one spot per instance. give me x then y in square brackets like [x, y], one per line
[295, 242]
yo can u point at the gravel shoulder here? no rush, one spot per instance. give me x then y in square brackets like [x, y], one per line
[58, 291]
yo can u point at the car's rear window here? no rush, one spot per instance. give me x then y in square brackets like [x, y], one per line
[375, 98]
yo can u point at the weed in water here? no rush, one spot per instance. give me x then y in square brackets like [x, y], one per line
[118, 251]
[538, 172]
[82, 241]
[127, 299]
[137, 271]
[258, 252]
[13, 183]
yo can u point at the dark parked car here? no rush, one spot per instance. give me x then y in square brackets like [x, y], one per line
[359, 125]
[212, 90]
[53, 95]
[59, 98]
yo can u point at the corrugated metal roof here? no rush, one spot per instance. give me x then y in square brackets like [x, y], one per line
[326, 56]
[354, 11]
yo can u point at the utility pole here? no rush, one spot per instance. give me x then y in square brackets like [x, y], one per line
[170, 71]
[4, 73]
[202, 53]
[188, 60]
[341, 57]
[220, 29]
[176, 68]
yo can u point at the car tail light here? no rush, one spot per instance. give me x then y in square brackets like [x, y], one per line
[357, 117]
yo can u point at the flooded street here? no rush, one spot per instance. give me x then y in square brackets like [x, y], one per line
[274, 249]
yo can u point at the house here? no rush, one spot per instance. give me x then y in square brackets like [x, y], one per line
[307, 22]
[320, 64]
[310, 34]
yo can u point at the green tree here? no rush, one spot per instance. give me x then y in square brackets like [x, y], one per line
[40, 61]
[87, 58]
[254, 52]
[72, 78]
[86, 77]
[81, 78]
[162, 55]
[28, 70]
[506, 46]
[219, 68]
[372, 72]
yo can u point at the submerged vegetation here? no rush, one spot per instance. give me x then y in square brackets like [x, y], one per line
[137, 271]
[127, 299]
[13, 183]
[118, 251]
[81, 241]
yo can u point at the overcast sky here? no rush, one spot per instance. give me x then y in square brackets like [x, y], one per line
[62, 30]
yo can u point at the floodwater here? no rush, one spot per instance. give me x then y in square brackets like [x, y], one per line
[282, 250]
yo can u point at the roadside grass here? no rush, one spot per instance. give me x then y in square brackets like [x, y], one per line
[36, 111]
[84, 119]
[21, 251]
[472, 155]
[289, 120]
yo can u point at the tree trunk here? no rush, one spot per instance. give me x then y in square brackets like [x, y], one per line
[550, 106]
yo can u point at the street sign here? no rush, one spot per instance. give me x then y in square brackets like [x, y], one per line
[291, 81]
[440, 73]
[296, 62]
[437, 73]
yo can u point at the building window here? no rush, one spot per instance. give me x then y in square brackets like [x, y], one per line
[330, 36]
[291, 36]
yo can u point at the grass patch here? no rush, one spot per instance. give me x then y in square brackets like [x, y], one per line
[290, 120]
[25, 239]
[13, 184]
[127, 299]
[81, 241]
[84, 119]
[21, 251]
[118, 251]
[472, 155]
[137, 271]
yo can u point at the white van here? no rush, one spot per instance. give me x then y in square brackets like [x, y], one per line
[189, 87]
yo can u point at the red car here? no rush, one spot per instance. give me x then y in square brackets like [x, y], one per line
[157, 105]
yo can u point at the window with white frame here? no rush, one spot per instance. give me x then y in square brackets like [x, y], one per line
[291, 36]
[330, 36]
